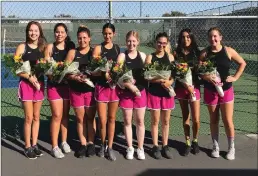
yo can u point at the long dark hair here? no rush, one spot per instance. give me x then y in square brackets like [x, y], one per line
[193, 47]
[68, 42]
[42, 42]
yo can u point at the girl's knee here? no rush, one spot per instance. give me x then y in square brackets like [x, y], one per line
[140, 123]
[111, 119]
[165, 122]
[28, 119]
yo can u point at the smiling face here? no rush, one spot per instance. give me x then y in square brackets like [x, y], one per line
[132, 42]
[60, 34]
[83, 39]
[161, 44]
[33, 33]
[215, 38]
[108, 35]
[186, 39]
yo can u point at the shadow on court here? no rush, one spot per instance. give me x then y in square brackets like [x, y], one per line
[15, 163]
[12, 131]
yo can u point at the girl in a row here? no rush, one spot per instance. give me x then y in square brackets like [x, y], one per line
[58, 94]
[187, 51]
[31, 50]
[32, 99]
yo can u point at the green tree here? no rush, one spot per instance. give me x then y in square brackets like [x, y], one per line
[173, 14]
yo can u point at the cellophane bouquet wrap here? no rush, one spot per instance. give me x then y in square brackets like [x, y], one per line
[42, 66]
[183, 73]
[73, 68]
[57, 71]
[206, 67]
[99, 63]
[156, 70]
[16, 65]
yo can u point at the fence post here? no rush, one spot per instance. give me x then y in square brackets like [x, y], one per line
[4, 41]
[110, 12]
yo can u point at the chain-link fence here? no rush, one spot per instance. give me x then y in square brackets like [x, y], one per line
[238, 22]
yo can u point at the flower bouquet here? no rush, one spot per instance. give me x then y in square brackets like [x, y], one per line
[183, 73]
[97, 64]
[73, 68]
[206, 67]
[123, 77]
[57, 71]
[16, 65]
[159, 71]
[13, 63]
[42, 67]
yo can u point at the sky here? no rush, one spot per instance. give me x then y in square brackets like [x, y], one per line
[33, 9]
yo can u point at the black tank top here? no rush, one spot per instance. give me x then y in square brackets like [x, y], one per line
[110, 54]
[32, 55]
[192, 60]
[137, 66]
[222, 62]
[156, 88]
[83, 60]
[59, 55]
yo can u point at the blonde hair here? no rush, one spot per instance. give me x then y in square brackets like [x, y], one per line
[132, 33]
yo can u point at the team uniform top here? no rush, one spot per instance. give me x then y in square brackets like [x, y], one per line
[137, 66]
[222, 63]
[191, 59]
[32, 55]
[156, 89]
[59, 56]
[110, 54]
[83, 60]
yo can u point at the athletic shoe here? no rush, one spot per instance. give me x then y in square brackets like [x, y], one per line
[82, 151]
[57, 153]
[140, 154]
[101, 152]
[111, 154]
[166, 152]
[195, 147]
[29, 153]
[231, 154]
[130, 153]
[65, 147]
[215, 152]
[156, 152]
[187, 150]
[90, 150]
[37, 151]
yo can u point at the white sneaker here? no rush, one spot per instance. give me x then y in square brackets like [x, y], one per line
[231, 154]
[130, 153]
[140, 154]
[215, 152]
[57, 153]
[65, 147]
